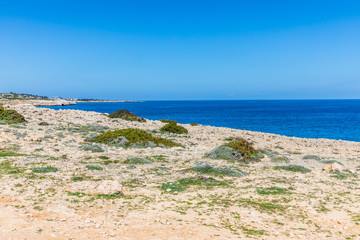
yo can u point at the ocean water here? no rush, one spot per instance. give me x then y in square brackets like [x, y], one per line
[333, 119]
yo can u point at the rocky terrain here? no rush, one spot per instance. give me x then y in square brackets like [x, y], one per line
[56, 184]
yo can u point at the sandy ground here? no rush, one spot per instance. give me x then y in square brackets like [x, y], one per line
[72, 202]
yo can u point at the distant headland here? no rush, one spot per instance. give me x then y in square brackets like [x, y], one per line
[25, 98]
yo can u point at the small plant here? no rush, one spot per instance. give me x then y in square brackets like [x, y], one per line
[138, 160]
[293, 168]
[92, 147]
[314, 157]
[209, 169]
[184, 183]
[173, 128]
[168, 121]
[280, 159]
[9, 154]
[92, 167]
[126, 115]
[272, 191]
[193, 124]
[132, 137]
[44, 169]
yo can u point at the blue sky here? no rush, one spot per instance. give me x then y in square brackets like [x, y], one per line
[159, 50]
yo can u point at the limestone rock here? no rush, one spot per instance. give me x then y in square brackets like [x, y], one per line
[335, 167]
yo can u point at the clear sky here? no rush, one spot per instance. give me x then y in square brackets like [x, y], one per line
[159, 50]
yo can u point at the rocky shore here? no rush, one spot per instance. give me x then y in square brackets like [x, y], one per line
[57, 184]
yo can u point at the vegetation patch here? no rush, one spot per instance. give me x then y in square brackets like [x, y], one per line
[7, 168]
[92, 147]
[138, 160]
[272, 191]
[293, 168]
[193, 124]
[168, 121]
[184, 183]
[205, 168]
[238, 149]
[174, 128]
[93, 167]
[126, 115]
[314, 157]
[132, 137]
[44, 169]
[280, 159]
[9, 154]
[11, 116]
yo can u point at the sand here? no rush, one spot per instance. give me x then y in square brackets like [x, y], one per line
[264, 204]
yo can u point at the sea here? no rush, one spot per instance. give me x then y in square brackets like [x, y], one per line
[332, 119]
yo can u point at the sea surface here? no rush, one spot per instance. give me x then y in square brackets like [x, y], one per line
[333, 119]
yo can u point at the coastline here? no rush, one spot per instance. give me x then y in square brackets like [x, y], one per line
[206, 212]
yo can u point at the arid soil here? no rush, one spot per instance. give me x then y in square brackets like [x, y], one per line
[53, 188]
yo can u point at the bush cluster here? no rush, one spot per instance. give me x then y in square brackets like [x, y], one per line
[168, 121]
[10, 116]
[174, 128]
[126, 115]
[131, 137]
[238, 149]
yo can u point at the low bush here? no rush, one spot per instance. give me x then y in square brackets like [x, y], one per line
[272, 191]
[132, 137]
[184, 183]
[173, 128]
[168, 121]
[314, 157]
[10, 116]
[138, 160]
[126, 115]
[238, 149]
[206, 168]
[92, 167]
[44, 169]
[293, 168]
[92, 148]
[193, 124]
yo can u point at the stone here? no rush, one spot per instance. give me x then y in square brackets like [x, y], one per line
[335, 167]
[109, 187]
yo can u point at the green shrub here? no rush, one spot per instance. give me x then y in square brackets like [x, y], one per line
[193, 124]
[11, 116]
[272, 191]
[206, 168]
[92, 148]
[44, 169]
[168, 121]
[9, 154]
[280, 159]
[314, 157]
[173, 128]
[126, 115]
[184, 183]
[293, 168]
[247, 151]
[1, 108]
[132, 137]
[138, 160]
[92, 167]
[331, 162]
[238, 150]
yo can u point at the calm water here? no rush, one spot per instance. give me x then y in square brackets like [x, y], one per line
[334, 119]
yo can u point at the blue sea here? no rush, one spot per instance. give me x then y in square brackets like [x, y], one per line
[333, 119]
